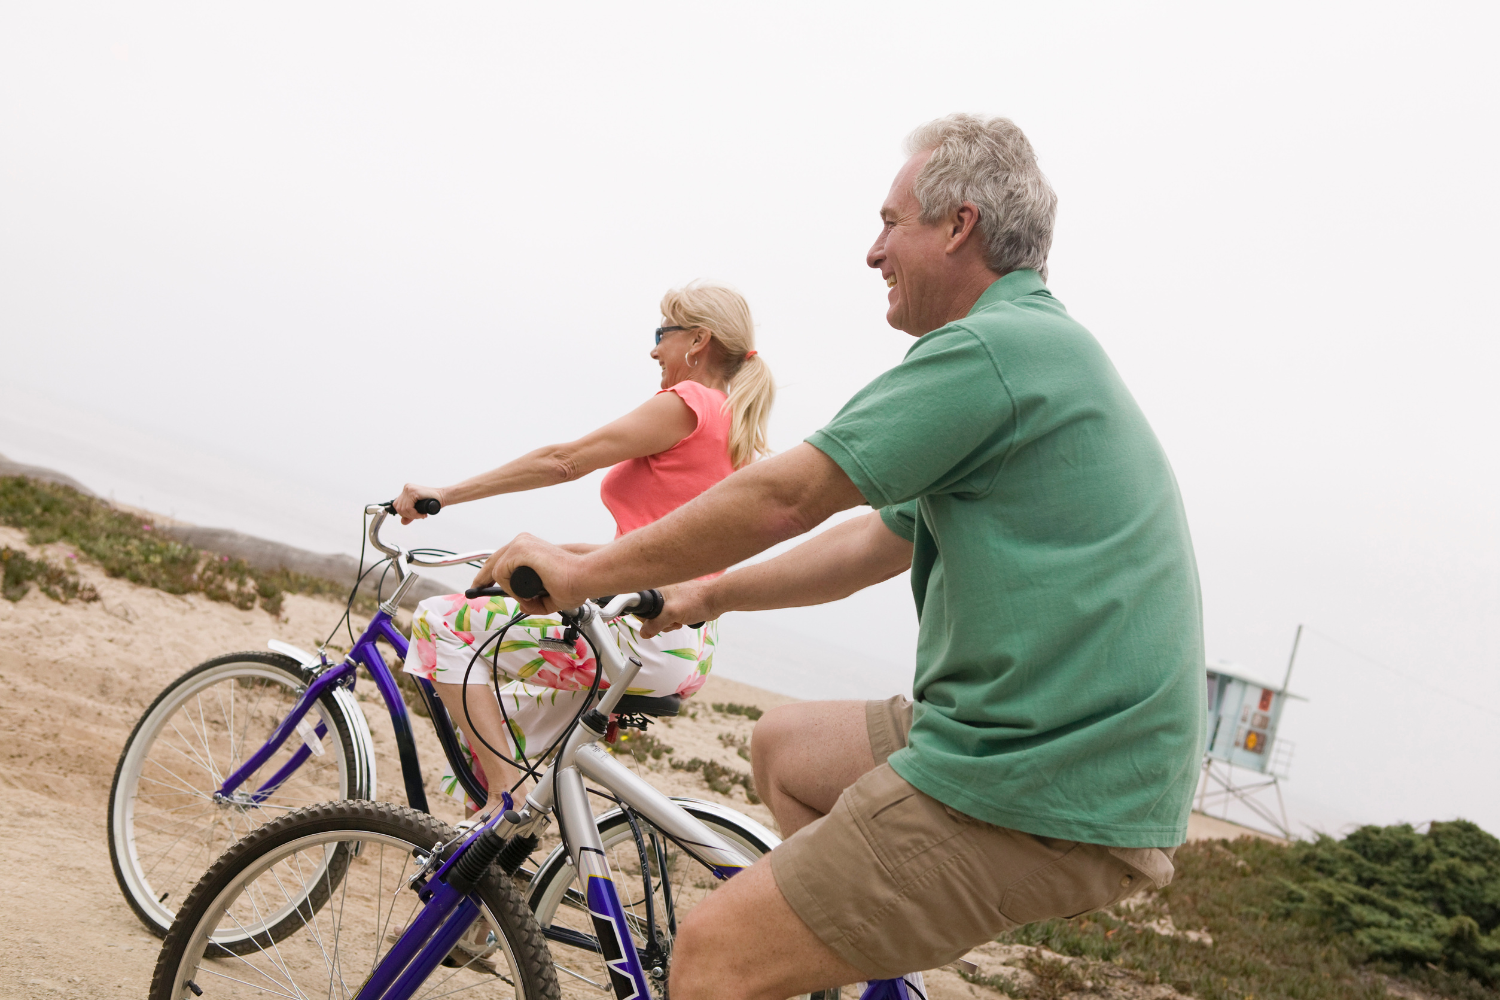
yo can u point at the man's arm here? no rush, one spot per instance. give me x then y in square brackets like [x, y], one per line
[851, 556]
[768, 502]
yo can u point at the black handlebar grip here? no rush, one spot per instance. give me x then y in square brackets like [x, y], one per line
[698, 624]
[426, 505]
[526, 584]
[490, 591]
[649, 604]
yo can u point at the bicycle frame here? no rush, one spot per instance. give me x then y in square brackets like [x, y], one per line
[340, 674]
[326, 677]
[449, 911]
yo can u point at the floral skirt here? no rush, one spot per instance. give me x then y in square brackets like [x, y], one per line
[546, 686]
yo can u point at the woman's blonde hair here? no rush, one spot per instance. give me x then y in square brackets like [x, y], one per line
[725, 313]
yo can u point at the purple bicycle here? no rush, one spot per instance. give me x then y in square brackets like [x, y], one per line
[243, 738]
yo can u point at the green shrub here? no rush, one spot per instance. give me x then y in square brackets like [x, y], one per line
[1406, 898]
[731, 708]
[130, 548]
[20, 571]
[1313, 921]
[639, 744]
[718, 777]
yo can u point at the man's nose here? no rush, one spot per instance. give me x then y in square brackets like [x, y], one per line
[876, 254]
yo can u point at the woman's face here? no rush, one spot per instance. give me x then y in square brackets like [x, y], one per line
[673, 353]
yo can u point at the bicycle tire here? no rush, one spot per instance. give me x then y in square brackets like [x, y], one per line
[552, 887]
[157, 851]
[373, 834]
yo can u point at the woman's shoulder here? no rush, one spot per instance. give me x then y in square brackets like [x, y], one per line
[690, 390]
[702, 400]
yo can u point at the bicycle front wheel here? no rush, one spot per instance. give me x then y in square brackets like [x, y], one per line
[341, 873]
[165, 826]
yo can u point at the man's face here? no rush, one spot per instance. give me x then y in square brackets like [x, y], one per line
[911, 257]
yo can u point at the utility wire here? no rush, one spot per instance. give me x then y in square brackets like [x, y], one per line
[1420, 682]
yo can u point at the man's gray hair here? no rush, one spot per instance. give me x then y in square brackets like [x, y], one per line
[989, 162]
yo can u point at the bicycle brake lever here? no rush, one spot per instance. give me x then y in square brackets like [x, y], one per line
[490, 591]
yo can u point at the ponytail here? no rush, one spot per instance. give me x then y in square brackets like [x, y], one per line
[725, 313]
[751, 393]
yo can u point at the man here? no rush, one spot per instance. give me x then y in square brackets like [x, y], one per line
[1048, 763]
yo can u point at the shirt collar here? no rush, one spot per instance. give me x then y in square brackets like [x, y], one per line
[1009, 288]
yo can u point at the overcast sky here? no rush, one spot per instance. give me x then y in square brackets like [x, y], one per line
[260, 265]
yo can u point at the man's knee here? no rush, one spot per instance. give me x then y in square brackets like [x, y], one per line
[692, 959]
[768, 741]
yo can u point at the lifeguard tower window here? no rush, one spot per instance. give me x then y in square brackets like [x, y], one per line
[1243, 716]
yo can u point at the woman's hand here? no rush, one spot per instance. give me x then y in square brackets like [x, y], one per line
[686, 604]
[406, 503]
[555, 565]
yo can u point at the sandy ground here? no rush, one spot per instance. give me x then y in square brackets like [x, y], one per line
[76, 677]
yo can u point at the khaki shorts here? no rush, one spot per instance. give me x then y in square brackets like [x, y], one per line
[894, 881]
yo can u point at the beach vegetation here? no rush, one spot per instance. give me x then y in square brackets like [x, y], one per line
[20, 571]
[1328, 919]
[733, 708]
[130, 547]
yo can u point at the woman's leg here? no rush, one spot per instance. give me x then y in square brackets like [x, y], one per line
[553, 680]
[483, 718]
[447, 633]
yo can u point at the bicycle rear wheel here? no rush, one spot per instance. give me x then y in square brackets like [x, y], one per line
[165, 827]
[356, 859]
[562, 911]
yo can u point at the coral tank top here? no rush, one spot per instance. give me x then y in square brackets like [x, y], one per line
[641, 490]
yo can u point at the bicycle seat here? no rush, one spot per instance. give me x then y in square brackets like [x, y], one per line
[640, 704]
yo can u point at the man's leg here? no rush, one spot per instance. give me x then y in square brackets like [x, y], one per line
[805, 754]
[745, 943]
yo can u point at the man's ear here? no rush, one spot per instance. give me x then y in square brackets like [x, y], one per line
[961, 226]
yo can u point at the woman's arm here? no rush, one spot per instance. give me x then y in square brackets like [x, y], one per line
[653, 427]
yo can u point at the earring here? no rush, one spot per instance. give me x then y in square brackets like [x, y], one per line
[689, 359]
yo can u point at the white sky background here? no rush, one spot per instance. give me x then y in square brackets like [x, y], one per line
[260, 265]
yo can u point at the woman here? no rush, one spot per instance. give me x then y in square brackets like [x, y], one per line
[708, 419]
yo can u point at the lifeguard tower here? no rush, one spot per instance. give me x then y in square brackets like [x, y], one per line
[1244, 713]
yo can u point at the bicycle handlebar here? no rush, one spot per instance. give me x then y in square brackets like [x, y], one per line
[643, 604]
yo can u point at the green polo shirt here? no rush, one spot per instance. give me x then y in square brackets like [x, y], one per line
[1060, 681]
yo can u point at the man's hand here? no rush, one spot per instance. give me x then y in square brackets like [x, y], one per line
[686, 604]
[555, 565]
[406, 503]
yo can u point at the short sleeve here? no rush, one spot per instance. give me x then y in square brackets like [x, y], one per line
[901, 518]
[924, 426]
[700, 399]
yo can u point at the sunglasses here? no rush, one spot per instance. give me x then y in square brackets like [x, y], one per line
[667, 329]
